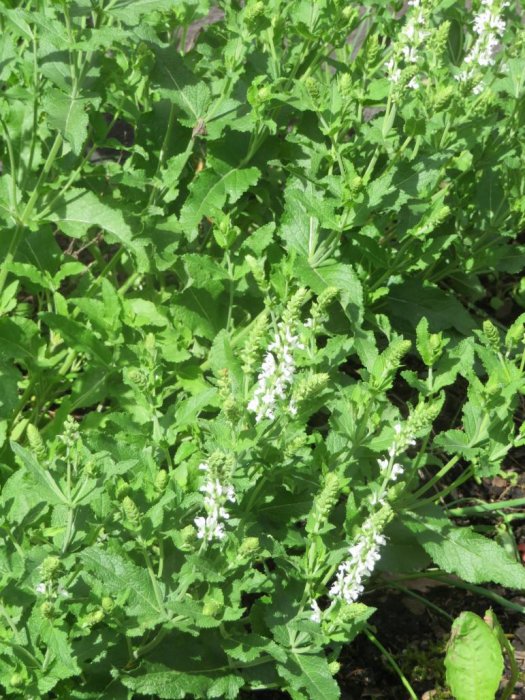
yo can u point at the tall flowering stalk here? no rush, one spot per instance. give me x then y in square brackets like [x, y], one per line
[489, 26]
[365, 550]
[410, 38]
[216, 495]
[278, 367]
[364, 554]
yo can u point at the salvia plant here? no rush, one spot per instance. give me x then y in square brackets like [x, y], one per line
[257, 260]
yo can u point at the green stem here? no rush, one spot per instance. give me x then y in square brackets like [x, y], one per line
[486, 508]
[388, 656]
[153, 578]
[440, 474]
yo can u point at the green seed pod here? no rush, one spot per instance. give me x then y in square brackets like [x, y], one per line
[47, 609]
[323, 504]
[122, 489]
[252, 13]
[49, 568]
[372, 48]
[250, 352]
[442, 97]
[334, 667]
[323, 302]
[131, 511]
[108, 604]
[353, 611]
[93, 618]
[161, 480]
[211, 607]
[188, 534]
[313, 88]
[249, 546]
[17, 680]
[355, 185]
[394, 353]
[292, 447]
[345, 86]
[35, 442]
[257, 269]
[138, 377]
[381, 518]
[311, 386]
[439, 38]
[491, 333]
[292, 311]
[421, 418]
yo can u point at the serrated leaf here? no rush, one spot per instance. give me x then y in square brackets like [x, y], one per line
[461, 551]
[167, 684]
[209, 192]
[117, 574]
[338, 275]
[81, 209]
[310, 673]
[42, 477]
[67, 115]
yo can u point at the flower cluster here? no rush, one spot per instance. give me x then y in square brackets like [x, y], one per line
[276, 374]
[489, 27]
[216, 495]
[411, 36]
[389, 467]
[364, 554]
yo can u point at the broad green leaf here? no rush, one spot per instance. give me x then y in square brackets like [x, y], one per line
[474, 660]
[168, 684]
[461, 551]
[210, 191]
[68, 116]
[338, 275]
[80, 210]
[116, 574]
[310, 672]
[42, 477]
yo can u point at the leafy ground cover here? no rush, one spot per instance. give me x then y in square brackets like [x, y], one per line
[261, 347]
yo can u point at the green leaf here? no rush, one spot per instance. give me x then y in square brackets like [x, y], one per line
[474, 660]
[167, 684]
[461, 551]
[41, 476]
[115, 574]
[310, 672]
[67, 115]
[338, 275]
[209, 193]
[80, 210]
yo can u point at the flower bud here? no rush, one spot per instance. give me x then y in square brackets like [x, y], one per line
[47, 609]
[249, 546]
[17, 680]
[491, 334]
[334, 667]
[131, 510]
[211, 607]
[107, 604]
[49, 568]
[35, 442]
[161, 480]
[94, 618]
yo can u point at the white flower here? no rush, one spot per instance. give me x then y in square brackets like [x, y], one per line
[489, 27]
[316, 612]
[216, 495]
[40, 588]
[276, 375]
[364, 554]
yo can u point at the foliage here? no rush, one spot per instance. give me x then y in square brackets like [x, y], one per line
[248, 267]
